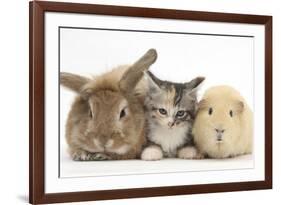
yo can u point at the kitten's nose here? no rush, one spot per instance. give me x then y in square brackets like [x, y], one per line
[171, 124]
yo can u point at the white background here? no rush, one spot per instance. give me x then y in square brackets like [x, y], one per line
[14, 107]
[181, 57]
[222, 59]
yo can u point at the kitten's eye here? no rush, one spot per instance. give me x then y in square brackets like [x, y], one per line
[162, 111]
[122, 113]
[231, 113]
[181, 113]
[210, 111]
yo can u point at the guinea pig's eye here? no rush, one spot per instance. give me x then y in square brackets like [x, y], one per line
[162, 111]
[231, 113]
[180, 113]
[210, 111]
[122, 113]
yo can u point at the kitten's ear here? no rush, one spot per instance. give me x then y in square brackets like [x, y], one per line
[153, 83]
[72, 81]
[193, 85]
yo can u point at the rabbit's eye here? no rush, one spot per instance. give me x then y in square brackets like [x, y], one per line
[231, 113]
[162, 111]
[122, 113]
[210, 111]
[90, 114]
[180, 113]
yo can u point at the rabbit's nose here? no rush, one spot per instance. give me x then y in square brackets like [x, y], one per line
[109, 143]
[103, 140]
[219, 131]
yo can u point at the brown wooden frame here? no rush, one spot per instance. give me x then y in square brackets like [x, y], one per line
[37, 95]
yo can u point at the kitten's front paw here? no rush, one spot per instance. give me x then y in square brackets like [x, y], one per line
[152, 153]
[189, 153]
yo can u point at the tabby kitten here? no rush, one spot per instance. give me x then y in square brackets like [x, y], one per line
[170, 111]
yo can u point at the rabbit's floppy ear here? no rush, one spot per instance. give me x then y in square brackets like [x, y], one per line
[72, 81]
[134, 73]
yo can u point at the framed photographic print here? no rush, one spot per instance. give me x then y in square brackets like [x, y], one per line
[139, 102]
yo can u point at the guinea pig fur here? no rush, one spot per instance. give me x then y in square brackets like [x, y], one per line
[223, 125]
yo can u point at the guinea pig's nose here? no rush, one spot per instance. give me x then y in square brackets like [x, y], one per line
[219, 131]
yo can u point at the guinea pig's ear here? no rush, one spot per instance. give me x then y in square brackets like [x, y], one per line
[153, 82]
[239, 106]
[72, 81]
[202, 104]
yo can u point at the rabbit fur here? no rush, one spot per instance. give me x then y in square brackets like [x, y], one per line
[106, 120]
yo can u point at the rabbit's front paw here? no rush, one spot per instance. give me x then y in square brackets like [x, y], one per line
[88, 156]
[81, 156]
[100, 156]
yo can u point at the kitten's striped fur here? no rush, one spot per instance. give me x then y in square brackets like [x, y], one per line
[170, 111]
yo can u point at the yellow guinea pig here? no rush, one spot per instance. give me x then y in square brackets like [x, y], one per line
[223, 125]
